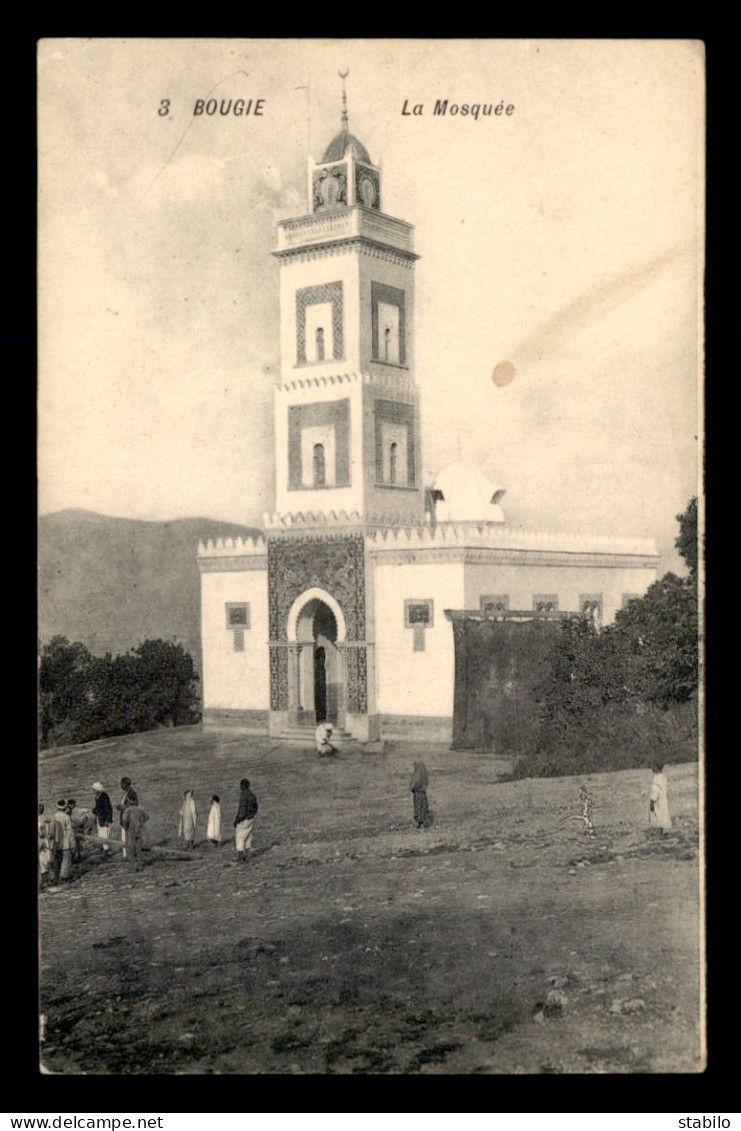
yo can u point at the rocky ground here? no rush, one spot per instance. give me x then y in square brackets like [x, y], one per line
[500, 940]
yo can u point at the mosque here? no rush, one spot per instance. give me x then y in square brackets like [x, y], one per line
[345, 609]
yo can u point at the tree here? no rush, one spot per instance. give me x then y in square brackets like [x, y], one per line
[653, 642]
[686, 541]
[83, 697]
[166, 681]
[611, 698]
[66, 682]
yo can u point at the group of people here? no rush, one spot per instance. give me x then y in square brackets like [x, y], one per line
[243, 822]
[63, 833]
[658, 802]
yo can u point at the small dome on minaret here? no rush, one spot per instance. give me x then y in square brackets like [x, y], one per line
[341, 144]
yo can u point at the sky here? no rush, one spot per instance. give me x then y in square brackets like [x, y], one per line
[558, 291]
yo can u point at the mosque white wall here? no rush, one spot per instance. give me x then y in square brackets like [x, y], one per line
[413, 685]
[235, 680]
[521, 583]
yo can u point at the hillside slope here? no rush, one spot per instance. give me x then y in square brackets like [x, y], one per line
[501, 940]
[113, 582]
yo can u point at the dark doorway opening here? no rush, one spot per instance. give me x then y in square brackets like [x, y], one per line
[320, 684]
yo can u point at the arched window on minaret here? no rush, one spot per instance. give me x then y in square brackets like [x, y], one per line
[320, 343]
[387, 344]
[393, 449]
[320, 477]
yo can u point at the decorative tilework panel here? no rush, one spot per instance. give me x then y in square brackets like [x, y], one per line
[394, 412]
[382, 293]
[307, 296]
[334, 413]
[330, 188]
[335, 563]
[367, 187]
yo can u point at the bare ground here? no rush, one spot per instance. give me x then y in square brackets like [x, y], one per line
[501, 940]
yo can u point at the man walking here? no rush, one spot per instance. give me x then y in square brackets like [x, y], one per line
[244, 820]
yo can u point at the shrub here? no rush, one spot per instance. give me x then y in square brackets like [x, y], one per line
[83, 697]
[611, 699]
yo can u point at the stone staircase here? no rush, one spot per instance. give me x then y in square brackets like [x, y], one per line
[305, 735]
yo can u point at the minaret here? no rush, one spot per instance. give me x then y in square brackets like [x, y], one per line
[347, 410]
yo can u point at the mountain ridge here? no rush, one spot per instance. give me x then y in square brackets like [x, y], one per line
[112, 582]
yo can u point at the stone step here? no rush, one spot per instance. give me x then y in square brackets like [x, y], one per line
[306, 734]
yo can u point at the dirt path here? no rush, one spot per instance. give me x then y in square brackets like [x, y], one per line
[500, 940]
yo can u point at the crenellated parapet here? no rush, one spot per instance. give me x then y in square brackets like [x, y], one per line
[301, 520]
[232, 554]
[325, 381]
[382, 379]
[490, 542]
[492, 534]
[297, 520]
[227, 547]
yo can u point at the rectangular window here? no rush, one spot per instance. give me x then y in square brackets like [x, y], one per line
[418, 615]
[319, 332]
[394, 456]
[388, 324]
[388, 332]
[494, 603]
[318, 454]
[237, 621]
[237, 615]
[418, 612]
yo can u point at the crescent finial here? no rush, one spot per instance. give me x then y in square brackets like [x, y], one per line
[343, 75]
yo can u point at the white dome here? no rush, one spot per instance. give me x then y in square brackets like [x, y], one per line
[467, 495]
